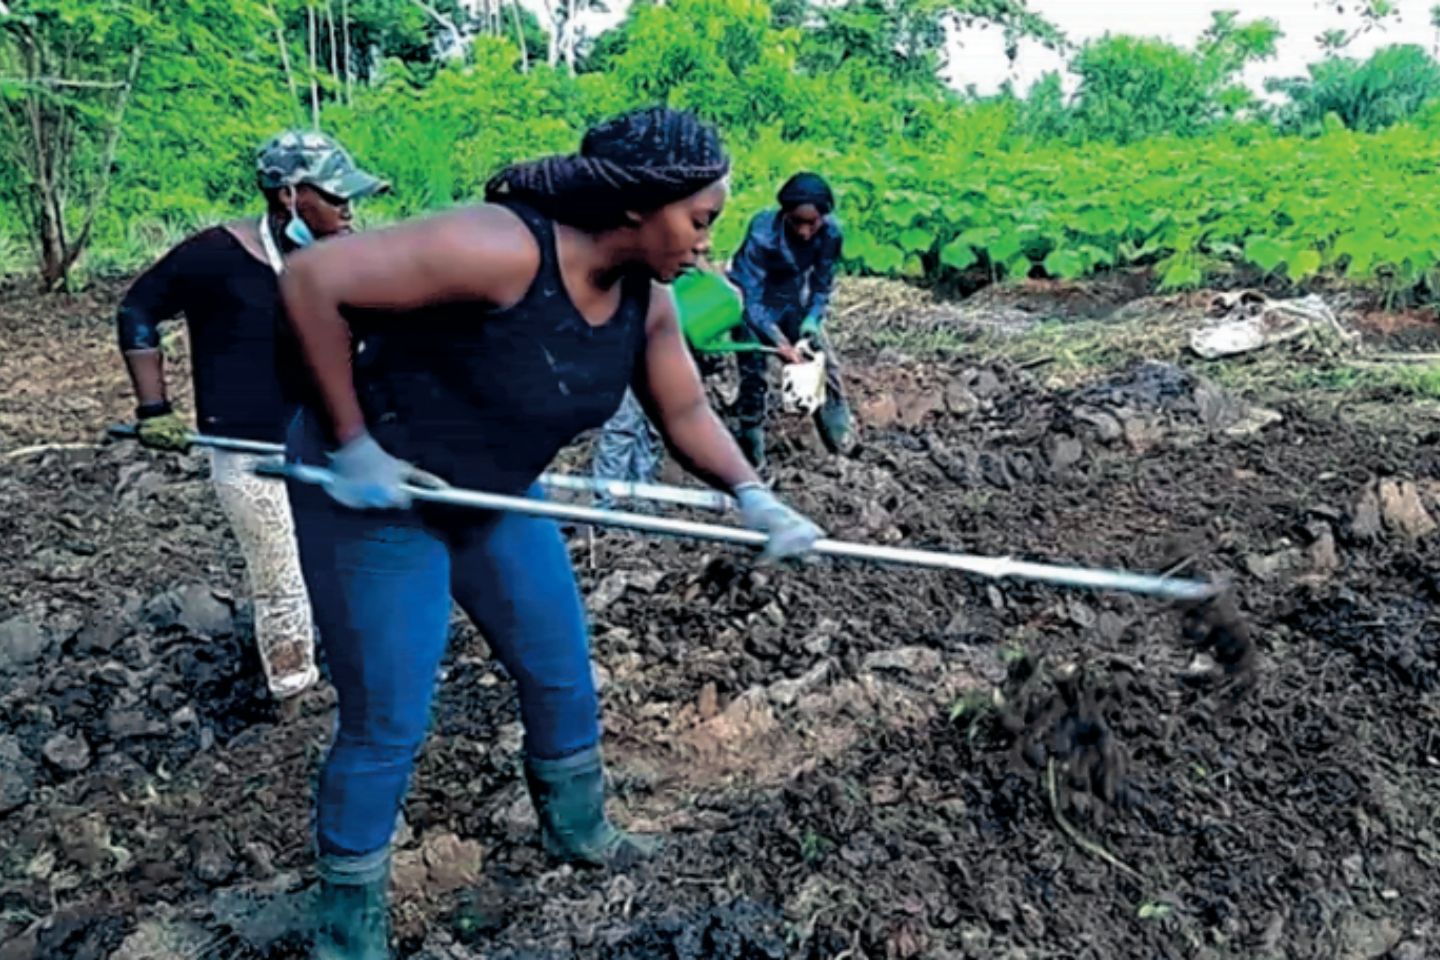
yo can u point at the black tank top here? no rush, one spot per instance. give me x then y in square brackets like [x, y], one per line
[486, 398]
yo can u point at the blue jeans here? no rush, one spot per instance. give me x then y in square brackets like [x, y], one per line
[380, 584]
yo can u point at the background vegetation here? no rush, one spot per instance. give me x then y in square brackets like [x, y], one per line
[126, 124]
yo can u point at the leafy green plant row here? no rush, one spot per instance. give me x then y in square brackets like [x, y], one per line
[1343, 204]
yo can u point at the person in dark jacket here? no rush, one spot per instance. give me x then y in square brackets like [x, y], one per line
[474, 346]
[223, 279]
[785, 269]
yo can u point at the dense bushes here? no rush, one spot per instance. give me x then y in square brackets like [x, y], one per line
[1160, 158]
[1367, 95]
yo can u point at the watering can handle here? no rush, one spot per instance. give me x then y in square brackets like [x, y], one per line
[738, 346]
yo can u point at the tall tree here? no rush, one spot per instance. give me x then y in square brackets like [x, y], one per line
[314, 79]
[1137, 87]
[1367, 95]
[67, 71]
[566, 32]
[905, 40]
[520, 37]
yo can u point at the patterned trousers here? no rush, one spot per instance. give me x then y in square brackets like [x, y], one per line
[627, 448]
[259, 513]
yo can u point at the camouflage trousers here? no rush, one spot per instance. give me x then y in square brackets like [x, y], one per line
[259, 513]
[628, 448]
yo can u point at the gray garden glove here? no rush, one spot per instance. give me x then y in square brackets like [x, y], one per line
[791, 533]
[365, 477]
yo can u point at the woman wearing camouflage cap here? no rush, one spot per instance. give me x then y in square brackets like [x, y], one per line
[484, 341]
[223, 280]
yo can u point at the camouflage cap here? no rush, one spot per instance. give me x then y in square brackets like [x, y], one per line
[297, 156]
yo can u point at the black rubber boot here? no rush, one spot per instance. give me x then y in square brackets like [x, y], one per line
[569, 798]
[352, 913]
[837, 429]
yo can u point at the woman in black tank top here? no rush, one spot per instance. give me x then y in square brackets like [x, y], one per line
[484, 340]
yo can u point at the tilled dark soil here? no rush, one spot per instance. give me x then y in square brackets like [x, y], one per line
[851, 761]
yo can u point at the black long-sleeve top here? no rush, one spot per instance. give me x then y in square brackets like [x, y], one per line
[232, 307]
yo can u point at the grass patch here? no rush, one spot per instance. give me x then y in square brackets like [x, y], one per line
[1421, 381]
[15, 256]
[1069, 352]
[1287, 375]
[1075, 350]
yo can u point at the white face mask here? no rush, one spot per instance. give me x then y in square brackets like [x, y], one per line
[297, 229]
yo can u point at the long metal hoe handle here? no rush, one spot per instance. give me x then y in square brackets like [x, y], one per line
[619, 489]
[991, 567]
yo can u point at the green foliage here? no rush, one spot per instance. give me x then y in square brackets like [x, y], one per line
[438, 144]
[718, 57]
[67, 72]
[14, 258]
[394, 29]
[903, 40]
[185, 161]
[213, 85]
[1161, 160]
[814, 847]
[1391, 86]
[1288, 207]
[1133, 88]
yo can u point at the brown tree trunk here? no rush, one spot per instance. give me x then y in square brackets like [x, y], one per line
[334, 48]
[97, 196]
[43, 137]
[314, 86]
[520, 37]
[284, 54]
[345, 36]
[50, 224]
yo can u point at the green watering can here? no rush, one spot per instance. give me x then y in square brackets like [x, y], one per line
[710, 313]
